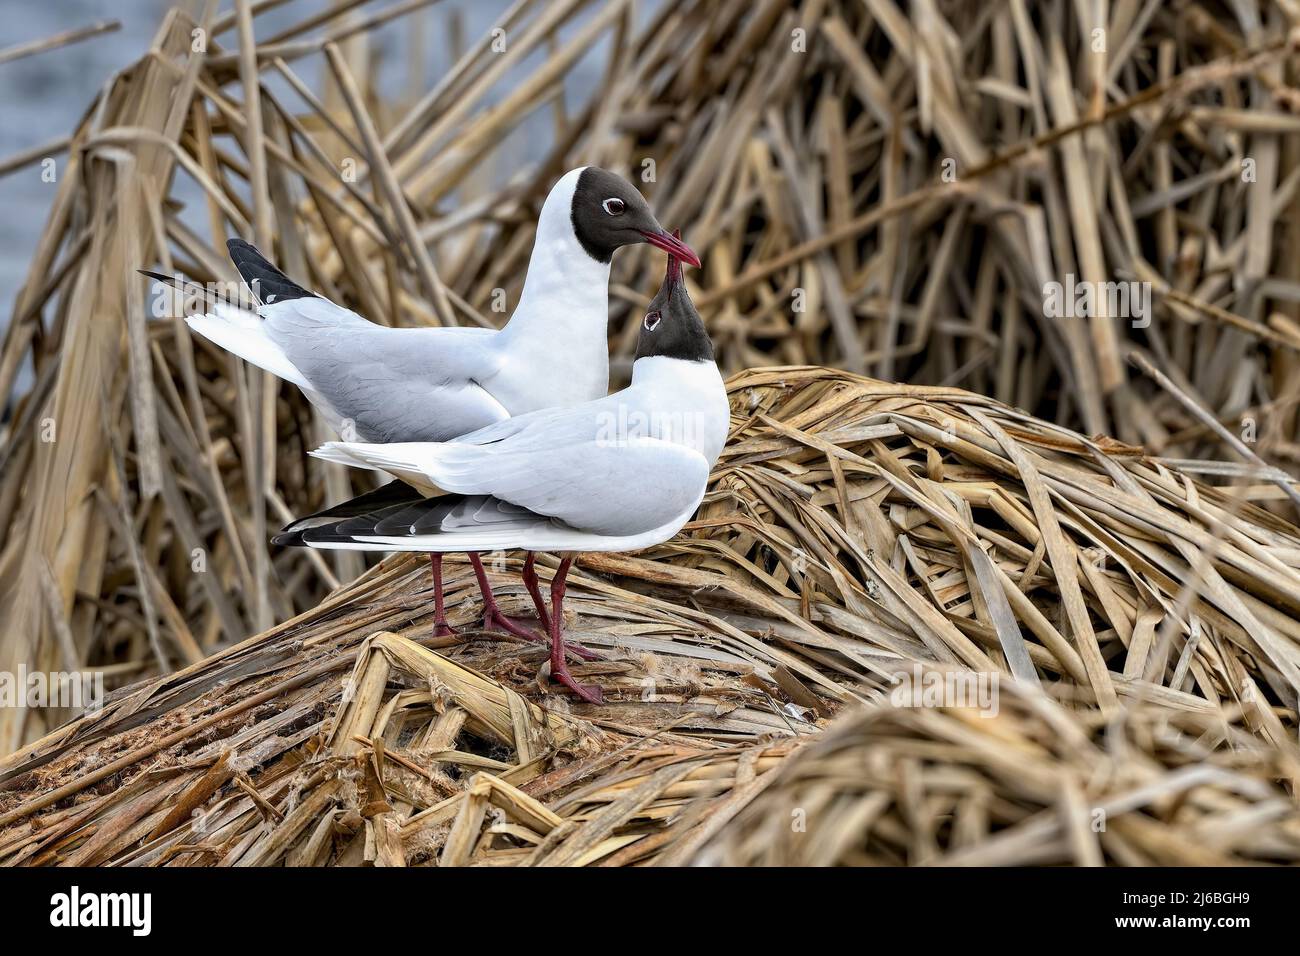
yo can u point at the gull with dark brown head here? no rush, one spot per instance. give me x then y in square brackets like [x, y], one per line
[381, 384]
[617, 474]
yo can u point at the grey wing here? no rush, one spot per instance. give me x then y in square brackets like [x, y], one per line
[392, 385]
[574, 465]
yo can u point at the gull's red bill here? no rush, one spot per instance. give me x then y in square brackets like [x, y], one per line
[672, 246]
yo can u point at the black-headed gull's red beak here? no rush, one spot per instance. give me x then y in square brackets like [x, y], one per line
[672, 245]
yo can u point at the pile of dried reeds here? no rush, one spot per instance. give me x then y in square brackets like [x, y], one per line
[877, 186]
[1035, 784]
[937, 525]
[334, 739]
[856, 535]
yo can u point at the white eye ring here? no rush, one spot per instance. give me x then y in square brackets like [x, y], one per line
[652, 321]
[613, 205]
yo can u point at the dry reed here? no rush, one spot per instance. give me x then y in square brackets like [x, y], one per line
[856, 536]
[882, 189]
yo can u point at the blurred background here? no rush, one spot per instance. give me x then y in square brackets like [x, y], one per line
[46, 96]
[1083, 209]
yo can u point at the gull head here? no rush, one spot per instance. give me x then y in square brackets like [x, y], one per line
[607, 212]
[672, 328]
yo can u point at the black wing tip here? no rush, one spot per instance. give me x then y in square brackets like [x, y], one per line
[394, 526]
[367, 507]
[243, 253]
[268, 282]
[324, 535]
[290, 534]
[242, 245]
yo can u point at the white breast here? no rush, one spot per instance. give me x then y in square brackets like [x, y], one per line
[685, 402]
[555, 348]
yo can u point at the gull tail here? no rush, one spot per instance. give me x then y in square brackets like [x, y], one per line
[397, 518]
[389, 499]
[413, 462]
[245, 334]
[236, 330]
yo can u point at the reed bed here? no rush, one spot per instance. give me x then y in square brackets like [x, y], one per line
[333, 739]
[1035, 785]
[941, 526]
[877, 187]
[857, 535]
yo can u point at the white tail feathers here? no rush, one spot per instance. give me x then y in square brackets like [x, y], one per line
[409, 461]
[244, 333]
[339, 453]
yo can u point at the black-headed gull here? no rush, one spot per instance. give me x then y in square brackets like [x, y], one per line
[382, 384]
[620, 473]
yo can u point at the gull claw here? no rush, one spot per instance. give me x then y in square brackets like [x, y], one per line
[591, 693]
[494, 620]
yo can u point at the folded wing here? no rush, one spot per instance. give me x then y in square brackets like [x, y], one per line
[571, 464]
[393, 384]
[373, 382]
[447, 523]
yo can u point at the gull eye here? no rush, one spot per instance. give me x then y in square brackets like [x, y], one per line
[613, 205]
[652, 321]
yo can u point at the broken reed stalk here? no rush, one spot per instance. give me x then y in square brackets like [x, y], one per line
[1033, 784]
[66, 38]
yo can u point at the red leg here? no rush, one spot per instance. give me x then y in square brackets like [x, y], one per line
[493, 619]
[440, 626]
[535, 591]
[559, 667]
